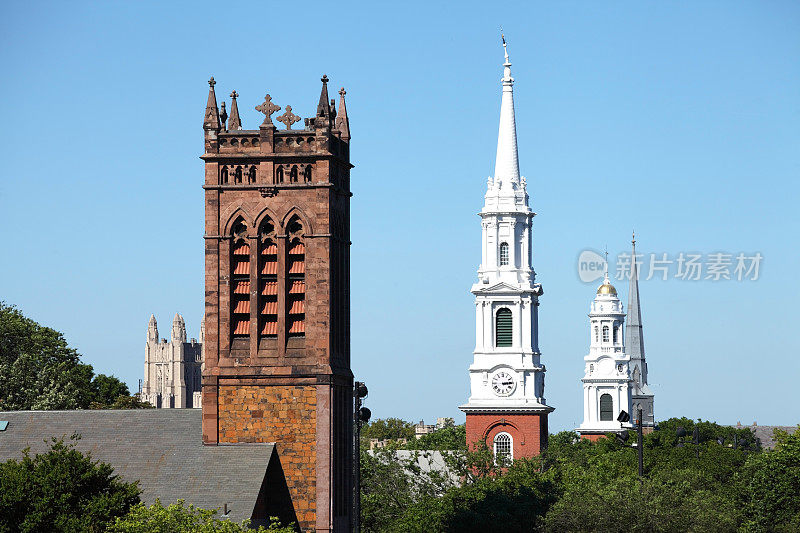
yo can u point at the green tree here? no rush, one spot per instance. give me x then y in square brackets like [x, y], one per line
[106, 389]
[514, 500]
[130, 402]
[388, 428]
[62, 490]
[770, 486]
[38, 370]
[447, 438]
[177, 518]
[687, 487]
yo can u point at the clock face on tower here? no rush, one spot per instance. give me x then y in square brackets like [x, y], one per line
[503, 383]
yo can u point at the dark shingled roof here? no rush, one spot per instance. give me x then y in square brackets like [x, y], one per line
[163, 449]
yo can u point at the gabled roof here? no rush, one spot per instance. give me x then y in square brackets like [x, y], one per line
[501, 286]
[163, 449]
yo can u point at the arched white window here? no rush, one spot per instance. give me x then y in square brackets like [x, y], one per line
[605, 333]
[503, 253]
[606, 408]
[503, 447]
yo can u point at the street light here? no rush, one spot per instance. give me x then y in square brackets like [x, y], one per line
[361, 415]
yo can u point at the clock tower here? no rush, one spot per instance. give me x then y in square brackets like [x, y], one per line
[506, 407]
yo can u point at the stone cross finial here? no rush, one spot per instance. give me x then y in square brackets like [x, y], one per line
[234, 94]
[324, 78]
[288, 118]
[211, 82]
[268, 108]
[342, 92]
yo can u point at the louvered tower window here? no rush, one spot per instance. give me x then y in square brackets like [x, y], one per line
[616, 333]
[503, 328]
[296, 278]
[268, 281]
[605, 333]
[503, 253]
[240, 282]
[503, 447]
[606, 408]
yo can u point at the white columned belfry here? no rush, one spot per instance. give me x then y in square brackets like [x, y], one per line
[606, 380]
[506, 375]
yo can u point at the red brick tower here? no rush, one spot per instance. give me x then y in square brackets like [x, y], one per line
[277, 316]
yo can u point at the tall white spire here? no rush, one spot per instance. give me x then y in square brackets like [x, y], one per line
[506, 167]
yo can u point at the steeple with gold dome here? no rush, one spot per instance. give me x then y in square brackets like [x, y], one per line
[606, 380]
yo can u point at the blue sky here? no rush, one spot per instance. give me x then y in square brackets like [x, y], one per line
[681, 120]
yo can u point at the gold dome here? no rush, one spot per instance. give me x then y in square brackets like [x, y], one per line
[607, 288]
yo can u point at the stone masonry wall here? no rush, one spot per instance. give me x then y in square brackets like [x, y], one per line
[285, 415]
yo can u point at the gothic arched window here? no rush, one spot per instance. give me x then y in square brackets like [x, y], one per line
[605, 333]
[503, 329]
[238, 175]
[251, 176]
[293, 174]
[296, 277]
[503, 447]
[307, 174]
[606, 408]
[503, 253]
[279, 174]
[240, 280]
[223, 175]
[268, 280]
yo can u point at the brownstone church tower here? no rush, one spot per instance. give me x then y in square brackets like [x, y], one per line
[277, 315]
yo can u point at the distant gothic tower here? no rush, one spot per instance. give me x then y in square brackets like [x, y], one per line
[606, 381]
[641, 395]
[172, 369]
[507, 408]
[277, 316]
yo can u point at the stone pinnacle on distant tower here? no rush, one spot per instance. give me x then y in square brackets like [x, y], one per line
[235, 123]
[211, 120]
[342, 122]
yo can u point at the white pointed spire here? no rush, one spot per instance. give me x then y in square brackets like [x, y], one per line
[506, 167]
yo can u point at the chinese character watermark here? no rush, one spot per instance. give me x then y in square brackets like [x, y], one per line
[684, 266]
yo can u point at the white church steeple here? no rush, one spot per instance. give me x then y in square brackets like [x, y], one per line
[606, 380]
[506, 376]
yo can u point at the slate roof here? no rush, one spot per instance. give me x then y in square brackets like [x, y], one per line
[162, 448]
[765, 433]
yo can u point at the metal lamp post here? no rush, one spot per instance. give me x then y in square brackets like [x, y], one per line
[361, 415]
